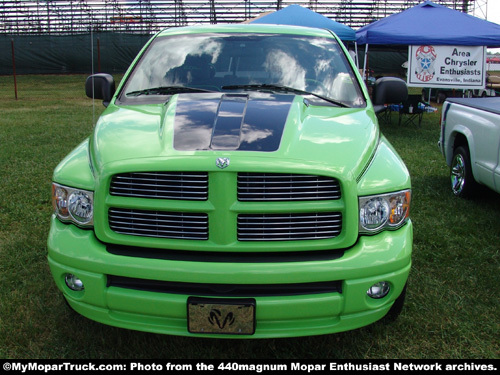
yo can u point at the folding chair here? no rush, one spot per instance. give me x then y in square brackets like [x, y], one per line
[410, 111]
[383, 113]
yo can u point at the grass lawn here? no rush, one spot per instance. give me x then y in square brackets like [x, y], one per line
[452, 308]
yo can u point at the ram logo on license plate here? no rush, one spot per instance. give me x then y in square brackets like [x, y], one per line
[223, 316]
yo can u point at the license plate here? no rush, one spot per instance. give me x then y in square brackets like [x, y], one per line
[221, 316]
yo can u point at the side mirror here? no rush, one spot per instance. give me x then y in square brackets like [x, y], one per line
[389, 90]
[100, 86]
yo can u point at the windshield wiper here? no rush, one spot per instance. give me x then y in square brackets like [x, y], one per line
[166, 90]
[281, 88]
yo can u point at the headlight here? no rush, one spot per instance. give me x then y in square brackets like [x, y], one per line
[385, 211]
[73, 205]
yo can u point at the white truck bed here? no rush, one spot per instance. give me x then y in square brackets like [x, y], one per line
[491, 104]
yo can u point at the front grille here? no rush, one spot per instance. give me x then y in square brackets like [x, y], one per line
[161, 224]
[286, 227]
[225, 290]
[161, 185]
[262, 187]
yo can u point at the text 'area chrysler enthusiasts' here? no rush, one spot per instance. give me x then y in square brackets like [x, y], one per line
[237, 185]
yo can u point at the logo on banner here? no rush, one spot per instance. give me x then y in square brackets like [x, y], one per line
[425, 56]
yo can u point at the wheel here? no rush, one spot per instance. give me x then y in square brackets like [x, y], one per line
[396, 307]
[71, 312]
[462, 180]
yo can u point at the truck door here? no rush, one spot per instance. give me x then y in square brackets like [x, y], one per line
[486, 134]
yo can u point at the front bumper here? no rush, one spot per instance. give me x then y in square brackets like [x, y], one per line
[382, 257]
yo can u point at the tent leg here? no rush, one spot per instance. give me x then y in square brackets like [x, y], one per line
[356, 52]
[364, 62]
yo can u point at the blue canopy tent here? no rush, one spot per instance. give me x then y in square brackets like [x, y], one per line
[299, 16]
[431, 24]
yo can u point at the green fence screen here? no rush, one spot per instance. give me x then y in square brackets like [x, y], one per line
[113, 53]
[66, 54]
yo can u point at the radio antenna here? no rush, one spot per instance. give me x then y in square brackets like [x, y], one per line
[92, 69]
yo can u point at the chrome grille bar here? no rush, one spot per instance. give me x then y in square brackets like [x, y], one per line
[263, 187]
[161, 185]
[159, 224]
[286, 227]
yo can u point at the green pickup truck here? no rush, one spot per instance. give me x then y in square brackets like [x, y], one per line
[236, 185]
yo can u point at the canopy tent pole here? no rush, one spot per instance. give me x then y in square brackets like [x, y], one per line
[356, 52]
[365, 61]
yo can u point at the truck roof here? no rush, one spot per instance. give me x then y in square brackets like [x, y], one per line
[248, 28]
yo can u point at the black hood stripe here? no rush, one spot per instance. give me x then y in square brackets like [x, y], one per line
[228, 122]
[245, 122]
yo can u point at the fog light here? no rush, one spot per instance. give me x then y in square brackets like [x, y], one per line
[73, 282]
[379, 290]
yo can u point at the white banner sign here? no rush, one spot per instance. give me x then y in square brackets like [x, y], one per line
[461, 67]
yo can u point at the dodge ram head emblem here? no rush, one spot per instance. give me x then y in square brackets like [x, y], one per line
[216, 319]
[222, 162]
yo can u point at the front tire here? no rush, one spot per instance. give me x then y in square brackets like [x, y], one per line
[396, 308]
[462, 180]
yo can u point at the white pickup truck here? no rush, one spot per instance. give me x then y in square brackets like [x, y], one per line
[470, 143]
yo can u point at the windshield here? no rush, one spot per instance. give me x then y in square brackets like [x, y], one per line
[240, 62]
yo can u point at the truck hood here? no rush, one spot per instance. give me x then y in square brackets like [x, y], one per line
[288, 128]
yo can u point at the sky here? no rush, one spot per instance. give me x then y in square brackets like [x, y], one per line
[494, 16]
[494, 11]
